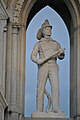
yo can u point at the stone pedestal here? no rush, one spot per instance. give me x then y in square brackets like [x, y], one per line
[48, 118]
[60, 114]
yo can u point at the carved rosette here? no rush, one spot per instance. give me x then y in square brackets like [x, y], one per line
[17, 11]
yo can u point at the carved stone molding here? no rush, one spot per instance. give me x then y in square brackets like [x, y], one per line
[17, 11]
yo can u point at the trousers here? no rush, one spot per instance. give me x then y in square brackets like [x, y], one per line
[48, 70]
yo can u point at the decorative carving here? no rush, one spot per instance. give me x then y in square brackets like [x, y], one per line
[17, 11]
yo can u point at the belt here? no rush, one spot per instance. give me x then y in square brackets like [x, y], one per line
[51, 61]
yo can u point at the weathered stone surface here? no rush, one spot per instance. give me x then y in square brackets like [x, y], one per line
[3, 105]
[48, 118]
[48, 115]
[3, 29]
[3, 11]
[48, 50]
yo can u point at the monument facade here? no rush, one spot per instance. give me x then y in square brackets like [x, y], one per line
[15, 16]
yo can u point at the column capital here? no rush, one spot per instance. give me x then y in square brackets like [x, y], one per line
[14, 25]
[15, 28]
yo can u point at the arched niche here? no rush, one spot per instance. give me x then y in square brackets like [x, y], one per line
[59, 33]
[69, 12]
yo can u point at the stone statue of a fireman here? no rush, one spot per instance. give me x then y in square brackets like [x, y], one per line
[45, 54]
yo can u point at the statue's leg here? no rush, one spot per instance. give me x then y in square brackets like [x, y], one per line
[54, 81]
[42, 77]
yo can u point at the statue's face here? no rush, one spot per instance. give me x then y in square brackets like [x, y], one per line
[47, 31]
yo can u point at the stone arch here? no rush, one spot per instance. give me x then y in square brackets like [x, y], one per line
[71, 17]
[49, 13]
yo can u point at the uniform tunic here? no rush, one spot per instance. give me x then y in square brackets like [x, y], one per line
[48, 70]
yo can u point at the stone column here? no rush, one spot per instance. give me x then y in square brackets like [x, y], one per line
[73, 74]
[77, 32]
[21, 69]
[14, 68]
[76, 75]
[8, 63]
[3, 29]
[2, 55]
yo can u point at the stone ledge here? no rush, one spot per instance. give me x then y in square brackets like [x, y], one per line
[29, 118]
[60, 114]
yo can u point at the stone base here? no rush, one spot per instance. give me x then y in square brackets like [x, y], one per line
[29, 118]
[60, 114]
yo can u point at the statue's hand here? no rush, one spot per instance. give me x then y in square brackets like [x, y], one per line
[40, 61]
[61, 52]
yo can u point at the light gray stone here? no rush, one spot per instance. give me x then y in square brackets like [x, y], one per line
[60, 114]
[48, 50]
[3, 21]
[27, 118]
[3, 12]
[3, 105]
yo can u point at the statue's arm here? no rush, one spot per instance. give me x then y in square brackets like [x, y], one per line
[61, 53]
[34, 53]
